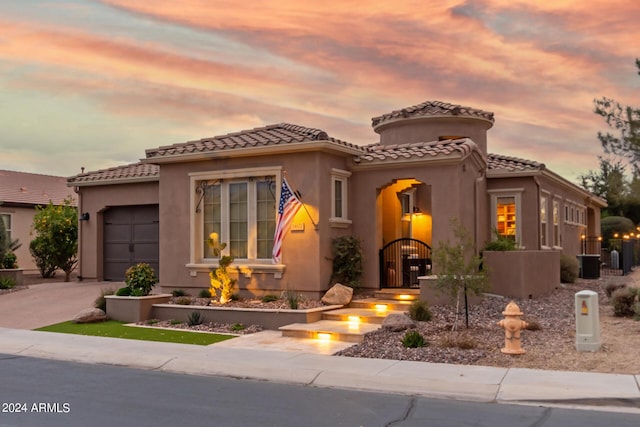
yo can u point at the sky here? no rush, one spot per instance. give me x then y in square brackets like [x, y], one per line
[90, 83]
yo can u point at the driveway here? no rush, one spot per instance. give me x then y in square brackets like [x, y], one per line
[47, 303]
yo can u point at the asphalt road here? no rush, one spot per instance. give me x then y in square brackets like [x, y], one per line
[39, 392]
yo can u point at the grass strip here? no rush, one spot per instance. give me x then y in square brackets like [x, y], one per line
[115, 329]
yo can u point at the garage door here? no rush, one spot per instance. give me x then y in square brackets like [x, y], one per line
[130, 237]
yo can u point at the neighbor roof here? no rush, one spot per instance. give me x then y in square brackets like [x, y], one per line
[134, 172]
[422, 150]
[283, 134]
[432, 109]
[32, 189]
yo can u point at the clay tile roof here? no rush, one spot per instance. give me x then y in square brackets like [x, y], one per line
[424, 150]
[512, 164]
[131, 172]
[432, 108]
[278, 134]
[34, 189]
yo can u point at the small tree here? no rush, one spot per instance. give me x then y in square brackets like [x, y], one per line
[56, 242]
[458, 268]
[219, 277]
[347, 260]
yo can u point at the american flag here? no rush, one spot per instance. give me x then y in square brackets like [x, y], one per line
[287, 208]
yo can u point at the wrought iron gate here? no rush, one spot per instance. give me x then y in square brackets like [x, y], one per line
[402, 262]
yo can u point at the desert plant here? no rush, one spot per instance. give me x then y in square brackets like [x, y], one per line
[501, 243]
[419, 311]
[293, 300]
[533, 325]
[463, 342]
[7, 283]
[624, 300]
[195, 318]
[204, 293]
[140, 278]
[56, 239]
[179, 293]
[10, 259]
[413, 339]
[152, 321]
[612, 287]
[220, 280]
[237, 327]
[123, 292]
[183, 301]
[101, 301]
[569, 268]
[269, 298]
[347, 260]
[175, 322]
[459, 269]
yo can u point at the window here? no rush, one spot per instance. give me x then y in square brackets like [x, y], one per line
[556, 223]
[240, 208]
[543, 221]
[7, 225]
[339, 198]
[506, 208]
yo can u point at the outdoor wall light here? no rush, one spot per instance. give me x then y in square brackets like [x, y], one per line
[84, 216]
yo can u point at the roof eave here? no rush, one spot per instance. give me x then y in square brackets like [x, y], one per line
[113, 181]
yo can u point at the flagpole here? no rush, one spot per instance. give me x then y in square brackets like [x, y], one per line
[297, 193]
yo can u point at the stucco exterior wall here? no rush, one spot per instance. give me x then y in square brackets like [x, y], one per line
[21, 221]
[95, 200]
[306, 251]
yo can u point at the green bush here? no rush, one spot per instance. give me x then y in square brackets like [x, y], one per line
[569, 268]
[183, 301]
[347, 260]
[43, 257]
[101, 301]
[237, 327]
[293, 300]
[7, 283]
[141, 279]
[195, 318]
[615, 224]
[501, 243]
[123, 292]
[269, 298]
[10, 259]
[624, 301]
[179, 293]
[413, 339]
[419, 311]
[204, 293]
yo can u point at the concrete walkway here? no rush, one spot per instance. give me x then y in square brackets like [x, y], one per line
[267, 357]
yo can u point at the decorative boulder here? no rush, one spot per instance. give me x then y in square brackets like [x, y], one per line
[338, 295]
[397, 322]
[90, 315]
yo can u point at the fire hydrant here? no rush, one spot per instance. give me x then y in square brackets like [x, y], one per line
[512, 325]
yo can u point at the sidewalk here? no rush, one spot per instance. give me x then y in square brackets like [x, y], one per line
[267, 357]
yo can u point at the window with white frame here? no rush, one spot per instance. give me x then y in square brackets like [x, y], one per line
[543, 220]
[506, 208]
[339, 197]
[556, 223]
[240, 208]
[6, 218]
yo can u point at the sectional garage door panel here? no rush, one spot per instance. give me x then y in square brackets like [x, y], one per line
[130, 236]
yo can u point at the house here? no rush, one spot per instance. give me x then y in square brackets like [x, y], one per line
[397, 196]
[20, 193]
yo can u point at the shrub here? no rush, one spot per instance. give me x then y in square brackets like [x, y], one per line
[237, 327]
[10, 259]
[183, 301]
[419, 311]
[501, 243]
[101, 302]
[141, 279]
[347, 260]
[43, 257]
[220, 280]
[624, 300]
[179, 293]
[569, 268]
[269, 298]
[463, 342]
[204, 293]
[293, 300]
[612, 287]
[195, 318]
[533, 325]
[7, 282]
[175, 322]
[413, 339]
[152, 321]
[615, 224]
[124, 292]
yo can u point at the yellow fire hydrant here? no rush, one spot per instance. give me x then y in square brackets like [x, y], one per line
[512, 325]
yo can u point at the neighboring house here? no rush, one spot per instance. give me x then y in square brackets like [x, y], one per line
[397, 196]
[20, 193]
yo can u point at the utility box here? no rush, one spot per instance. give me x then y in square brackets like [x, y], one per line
[587, 321]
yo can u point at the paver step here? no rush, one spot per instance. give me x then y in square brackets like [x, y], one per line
[329, 329]
[400, 294]
[363, 315]
[380, 304]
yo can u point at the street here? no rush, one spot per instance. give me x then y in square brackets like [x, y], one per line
[39, 392]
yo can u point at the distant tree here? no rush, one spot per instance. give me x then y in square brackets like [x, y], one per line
[626, 121]
[56, 242]
[609, 183]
